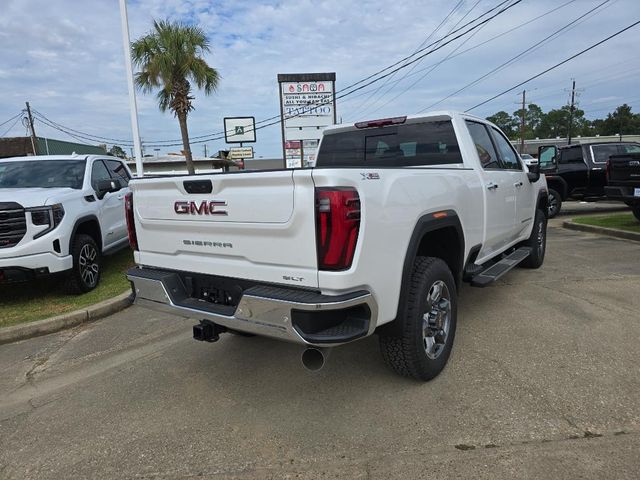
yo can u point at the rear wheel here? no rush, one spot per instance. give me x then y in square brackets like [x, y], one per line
[428, 326]
[554, 203]
[636, 211]
[85, 273]
[537, 242]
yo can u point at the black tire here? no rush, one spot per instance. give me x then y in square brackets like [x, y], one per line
[87, 265]
[554, 202]
[636, 211]
[407, 354]
[537, 242]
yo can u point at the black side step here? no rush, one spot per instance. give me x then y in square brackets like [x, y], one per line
[495, 271]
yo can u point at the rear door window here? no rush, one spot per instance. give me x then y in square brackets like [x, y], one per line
[630, 148]
[601, 153]
[571, 155]
[484, 145]
[508, 155]
[417, 144]
[118, 171]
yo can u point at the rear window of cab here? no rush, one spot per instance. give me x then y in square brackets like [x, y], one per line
[416, 144]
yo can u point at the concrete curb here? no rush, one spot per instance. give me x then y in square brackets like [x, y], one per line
[612, 232]
[66, 320]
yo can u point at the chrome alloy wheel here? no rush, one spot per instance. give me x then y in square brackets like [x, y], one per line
[89, 267]
[540, 238]
[553, 206]
[436, 322]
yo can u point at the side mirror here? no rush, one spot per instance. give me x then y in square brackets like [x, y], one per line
[547, 157]
[107, 186]
[534, 172]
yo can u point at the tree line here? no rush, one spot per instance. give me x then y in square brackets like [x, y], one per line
[555, 123]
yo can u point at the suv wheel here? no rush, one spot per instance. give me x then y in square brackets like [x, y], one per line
[85, 273]
[428, 325]
[636, 211]
[537, 242]
[555, 203]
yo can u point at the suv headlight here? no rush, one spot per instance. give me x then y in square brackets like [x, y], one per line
[50, 216]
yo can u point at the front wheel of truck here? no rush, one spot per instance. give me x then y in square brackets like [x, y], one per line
[423, 346]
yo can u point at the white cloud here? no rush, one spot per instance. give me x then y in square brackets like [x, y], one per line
[68, 63]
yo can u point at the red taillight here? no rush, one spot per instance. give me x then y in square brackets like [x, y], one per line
[381, 122]
[337, 226]
[131, 225]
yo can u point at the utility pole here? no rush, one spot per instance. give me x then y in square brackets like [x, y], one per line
[205, 150]
[571, 110]
[522, 113]
[34, 141]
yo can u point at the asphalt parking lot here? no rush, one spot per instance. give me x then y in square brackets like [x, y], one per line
[544, 382]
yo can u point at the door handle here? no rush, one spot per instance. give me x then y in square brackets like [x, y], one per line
[492, 186]
[518, 184]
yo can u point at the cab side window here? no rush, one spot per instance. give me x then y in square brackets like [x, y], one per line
[571, 155]
[99, 172]
[484, 145]
[508, 155]
[119, 172]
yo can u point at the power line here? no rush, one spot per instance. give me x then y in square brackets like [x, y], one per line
[95, 137]
[433, 67]
[513, 59]
[12, 118]
[555, 66]
[506, 32]
[19, 117]
[444, 20]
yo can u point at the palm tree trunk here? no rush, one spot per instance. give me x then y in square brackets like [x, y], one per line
[186, 149]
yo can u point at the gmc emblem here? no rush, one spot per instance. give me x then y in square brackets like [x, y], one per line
[634, 163]
[206, 207]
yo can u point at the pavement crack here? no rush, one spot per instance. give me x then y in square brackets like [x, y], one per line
[43, 358]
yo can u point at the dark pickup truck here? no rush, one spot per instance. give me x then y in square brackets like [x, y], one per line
[579, 171]
[623, 178]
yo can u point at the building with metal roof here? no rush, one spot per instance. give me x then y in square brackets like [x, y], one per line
[22, 146]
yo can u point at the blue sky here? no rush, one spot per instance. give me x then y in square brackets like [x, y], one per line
[65, 57]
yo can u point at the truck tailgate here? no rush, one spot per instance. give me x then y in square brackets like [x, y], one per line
[253, 225]
[624, 169]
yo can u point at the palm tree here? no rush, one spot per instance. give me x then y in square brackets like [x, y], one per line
[170, 58]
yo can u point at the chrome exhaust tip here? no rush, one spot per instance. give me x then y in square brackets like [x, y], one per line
[314, 358]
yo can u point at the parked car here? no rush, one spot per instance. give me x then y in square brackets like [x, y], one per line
[376, 238]
[61, 214]
[623, 178]
[578, 171]
[528, 159]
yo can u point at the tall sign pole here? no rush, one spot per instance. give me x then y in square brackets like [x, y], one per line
[133, 108]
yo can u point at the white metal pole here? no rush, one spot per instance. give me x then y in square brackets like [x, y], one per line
[132, 92]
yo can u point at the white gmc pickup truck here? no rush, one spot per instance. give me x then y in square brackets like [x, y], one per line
[376, 238]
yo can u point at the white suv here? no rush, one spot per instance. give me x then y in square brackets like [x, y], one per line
[61, 214]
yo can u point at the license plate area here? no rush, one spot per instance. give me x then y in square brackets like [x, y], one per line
[636, 192]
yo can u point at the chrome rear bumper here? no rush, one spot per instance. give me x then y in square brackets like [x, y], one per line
[282, 313]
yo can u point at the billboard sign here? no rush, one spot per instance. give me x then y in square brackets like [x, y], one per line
[307, 106]
[239, 129]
